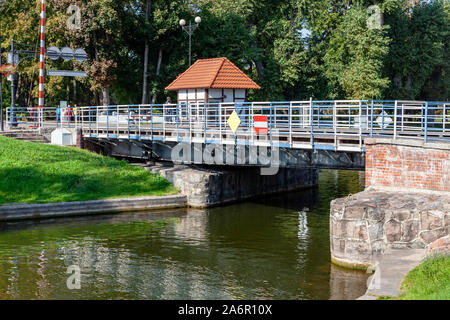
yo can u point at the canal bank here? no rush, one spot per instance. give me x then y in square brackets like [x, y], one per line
[275, 247]
[200, 187]
[42, 181]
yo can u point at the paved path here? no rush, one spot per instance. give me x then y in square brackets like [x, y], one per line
[394, 265]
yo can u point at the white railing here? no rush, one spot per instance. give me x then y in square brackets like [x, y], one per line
[334, 125]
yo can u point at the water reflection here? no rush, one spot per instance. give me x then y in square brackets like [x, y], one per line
[274, 248]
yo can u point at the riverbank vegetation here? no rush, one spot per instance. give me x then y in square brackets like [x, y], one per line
[428, 281]
[294, 49]
[40, 173]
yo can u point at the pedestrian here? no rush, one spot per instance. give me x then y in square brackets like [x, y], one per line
[170, 110]
[75, 113]
[69, 114]
[58, 115]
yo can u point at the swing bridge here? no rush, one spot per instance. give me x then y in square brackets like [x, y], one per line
[318, 134]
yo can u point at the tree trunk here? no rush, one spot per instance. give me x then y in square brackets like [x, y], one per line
[105, 96]
[146, 53]
[75, 91]
[259, 65]
[158, 70]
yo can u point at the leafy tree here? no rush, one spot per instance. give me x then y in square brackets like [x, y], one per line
[354, 57]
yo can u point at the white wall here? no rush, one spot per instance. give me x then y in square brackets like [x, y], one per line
[239, 93]
[215, 93]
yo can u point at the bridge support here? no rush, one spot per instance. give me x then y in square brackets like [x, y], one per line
[406, 203]
[233, 155]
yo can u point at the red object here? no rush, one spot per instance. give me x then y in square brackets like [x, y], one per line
[42, 54]
[261, 125]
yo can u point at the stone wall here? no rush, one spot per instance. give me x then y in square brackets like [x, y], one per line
[364, 225]
[208, 186]
[408, 164]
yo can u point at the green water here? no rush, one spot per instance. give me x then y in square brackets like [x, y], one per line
[261, 249]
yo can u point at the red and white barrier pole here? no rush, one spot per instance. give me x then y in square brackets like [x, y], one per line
[42, 61]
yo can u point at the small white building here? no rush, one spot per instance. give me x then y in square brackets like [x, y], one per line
[212, 81]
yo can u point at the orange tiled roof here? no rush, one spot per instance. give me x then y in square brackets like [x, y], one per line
[218, 73]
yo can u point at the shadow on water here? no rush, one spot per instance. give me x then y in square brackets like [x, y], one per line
[262, 249]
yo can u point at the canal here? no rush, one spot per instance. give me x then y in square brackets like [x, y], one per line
[271, 248]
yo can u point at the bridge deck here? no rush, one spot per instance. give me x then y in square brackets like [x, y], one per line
[328, 125]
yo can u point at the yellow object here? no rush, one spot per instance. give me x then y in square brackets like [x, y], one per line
[234, 122]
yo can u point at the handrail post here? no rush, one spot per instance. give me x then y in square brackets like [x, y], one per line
[443, 117]
[177, 118]
[290, 123]
[335, 125]
[95, 117]
[270, 123]
[395, 119]
[139, 123]
[311, 121]
[90, 122]
[253, 122]
[164, 121]
[220, 120]
[107, 122]
[190, 121]
[128, 121]
[426, 122]
[360, 125]
[371, 119]
[151, 122]
[205, 118]
[402, 116]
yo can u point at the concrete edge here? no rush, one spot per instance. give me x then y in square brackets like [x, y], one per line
[379, 188]
[78, 208]
[408, 143]
[351, 264]
[296, 187]
[395, 276]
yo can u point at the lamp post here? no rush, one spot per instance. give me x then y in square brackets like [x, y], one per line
[190, 30]
[15, 60]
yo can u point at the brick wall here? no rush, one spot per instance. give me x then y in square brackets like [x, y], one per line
[408, 164]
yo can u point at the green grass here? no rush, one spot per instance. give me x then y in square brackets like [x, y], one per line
[40, 173]
[428, 281]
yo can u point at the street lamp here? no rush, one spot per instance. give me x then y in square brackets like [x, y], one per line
[15, 61]
[190, 30]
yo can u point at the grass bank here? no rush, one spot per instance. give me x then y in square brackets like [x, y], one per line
[428, 281]
[40, 173]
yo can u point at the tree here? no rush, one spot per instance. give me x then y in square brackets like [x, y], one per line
[354, 57]
[418, 63]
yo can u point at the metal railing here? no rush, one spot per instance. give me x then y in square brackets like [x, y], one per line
[333, 125]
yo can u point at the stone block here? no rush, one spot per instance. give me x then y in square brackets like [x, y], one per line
[401, 215]
[357, 250]
[354, 212]
[410, 230]
[433, 235]
[430, 221]
[375, 214]
[376, 231]
[393, 230]
[338, 247]
[417, 244]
